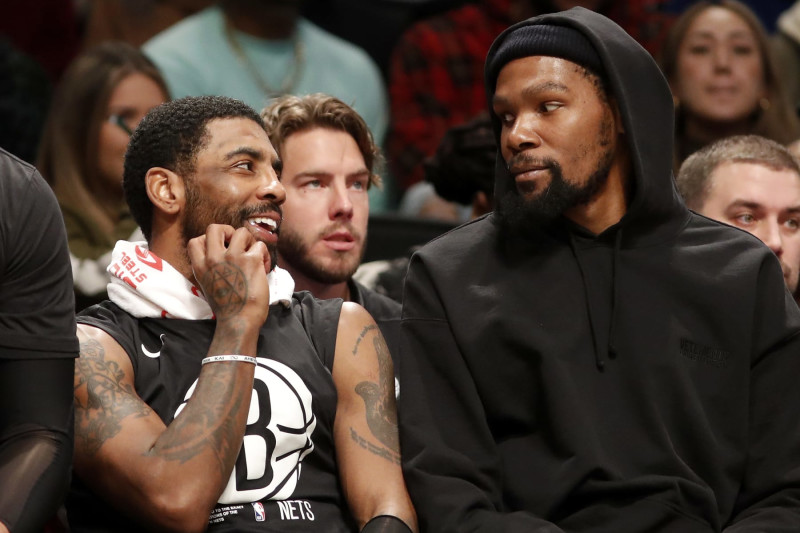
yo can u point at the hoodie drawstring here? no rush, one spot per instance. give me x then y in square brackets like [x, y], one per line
[598, 359]
[609, 351]
[612, 328]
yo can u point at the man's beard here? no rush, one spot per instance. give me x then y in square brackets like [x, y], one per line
[517, 213]
[200, 213]
[295, 251]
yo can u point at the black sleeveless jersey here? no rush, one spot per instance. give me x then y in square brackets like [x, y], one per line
[285, 478]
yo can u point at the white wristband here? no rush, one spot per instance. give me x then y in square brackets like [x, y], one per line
[235, 358]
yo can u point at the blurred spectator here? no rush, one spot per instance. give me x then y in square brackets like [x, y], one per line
[376, 25]
[134, 21]
[24, 98]
[462, 169]
[459, 175]
[724, 79]
[436, 72]
[255, 50]
[44, 30]
[786, 45]
[99, 102]
[421, 201]
[752, 183]
[767, 11]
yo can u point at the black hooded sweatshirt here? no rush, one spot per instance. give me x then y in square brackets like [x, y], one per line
[641, 380]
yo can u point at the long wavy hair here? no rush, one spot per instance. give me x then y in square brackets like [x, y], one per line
[68, 153]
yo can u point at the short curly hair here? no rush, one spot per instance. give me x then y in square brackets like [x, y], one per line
[170, 136]
[291, 114]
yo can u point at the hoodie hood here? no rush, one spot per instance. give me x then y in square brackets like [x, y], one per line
[642, 94]
[655, 212]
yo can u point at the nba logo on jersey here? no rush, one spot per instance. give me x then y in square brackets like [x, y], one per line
[259, 510]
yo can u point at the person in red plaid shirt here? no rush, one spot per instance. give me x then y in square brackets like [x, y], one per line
[436, 71]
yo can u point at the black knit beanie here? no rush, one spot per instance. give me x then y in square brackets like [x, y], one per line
[543, 40]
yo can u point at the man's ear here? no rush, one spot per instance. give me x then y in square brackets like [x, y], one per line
[165, 189]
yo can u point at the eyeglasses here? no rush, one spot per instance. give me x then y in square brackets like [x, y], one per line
[119, 121]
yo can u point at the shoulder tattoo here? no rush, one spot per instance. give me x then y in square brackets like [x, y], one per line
[371, 327]
[108, 400]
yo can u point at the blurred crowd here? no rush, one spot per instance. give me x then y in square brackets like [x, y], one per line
[78, 75]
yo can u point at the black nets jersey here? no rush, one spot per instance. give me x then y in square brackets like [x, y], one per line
[285, 478]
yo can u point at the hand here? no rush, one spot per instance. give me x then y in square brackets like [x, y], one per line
[231, 268]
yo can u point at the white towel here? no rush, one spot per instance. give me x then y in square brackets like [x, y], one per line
[144, 285]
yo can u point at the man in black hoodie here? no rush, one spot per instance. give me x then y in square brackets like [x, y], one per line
[593, 357]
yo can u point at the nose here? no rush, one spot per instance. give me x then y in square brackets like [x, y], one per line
[722, 58]
[771, 235]
[271, 189]
[522, 135]
[341, 204]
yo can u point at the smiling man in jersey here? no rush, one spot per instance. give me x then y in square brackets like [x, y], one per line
[206, 383]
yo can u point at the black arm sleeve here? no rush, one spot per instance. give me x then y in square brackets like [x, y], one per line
[386, 524]
[36, 430]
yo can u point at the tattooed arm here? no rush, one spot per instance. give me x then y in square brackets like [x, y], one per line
[169, 477]
[365, 430]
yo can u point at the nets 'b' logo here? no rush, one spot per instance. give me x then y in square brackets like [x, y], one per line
[277, 438]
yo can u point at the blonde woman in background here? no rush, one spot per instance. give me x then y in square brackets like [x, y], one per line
[100, 100]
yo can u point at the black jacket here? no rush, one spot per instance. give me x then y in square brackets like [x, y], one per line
[640, 380]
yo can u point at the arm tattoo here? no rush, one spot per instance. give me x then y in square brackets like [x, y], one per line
[210, 422]
[379, 397]
[227, 289]
[361, 336]
[377, 450]
[108, 400]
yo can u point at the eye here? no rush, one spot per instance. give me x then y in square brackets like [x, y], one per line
[793, 224]
[244, 165]
[506, 119]
[360, 184]
[743, 50]
[312, 184]
[549, 107]
[123, 121]
[699, 49]
[745, 219]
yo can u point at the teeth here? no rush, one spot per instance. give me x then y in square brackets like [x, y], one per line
[264, 220]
